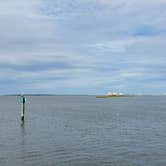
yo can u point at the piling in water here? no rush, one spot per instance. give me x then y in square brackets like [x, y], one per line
[23, 100]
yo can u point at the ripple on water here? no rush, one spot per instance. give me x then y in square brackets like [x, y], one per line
[83, 131]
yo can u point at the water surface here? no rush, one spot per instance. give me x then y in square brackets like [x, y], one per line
[83, 130]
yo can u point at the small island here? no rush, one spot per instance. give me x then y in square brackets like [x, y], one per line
[111, 94]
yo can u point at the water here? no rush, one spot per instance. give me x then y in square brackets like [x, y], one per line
[83, 130]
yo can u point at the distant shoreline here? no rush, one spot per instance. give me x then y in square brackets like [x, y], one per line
[47, 95]
[97, 96]
[113, 96]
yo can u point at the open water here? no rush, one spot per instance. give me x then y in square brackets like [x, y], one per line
[83, 131]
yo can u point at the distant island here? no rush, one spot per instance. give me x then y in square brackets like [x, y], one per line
[112, 94]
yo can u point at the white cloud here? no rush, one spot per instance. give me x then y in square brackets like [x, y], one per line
[116, 46]
[98, 38]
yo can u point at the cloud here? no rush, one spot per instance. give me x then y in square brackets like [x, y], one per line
[115, 46]
[87, 46]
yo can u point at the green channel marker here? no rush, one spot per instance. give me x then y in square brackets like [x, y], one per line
[23, 100]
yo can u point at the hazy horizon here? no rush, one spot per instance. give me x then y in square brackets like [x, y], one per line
[56, 94]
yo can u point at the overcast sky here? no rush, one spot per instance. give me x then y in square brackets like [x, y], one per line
[83, 46]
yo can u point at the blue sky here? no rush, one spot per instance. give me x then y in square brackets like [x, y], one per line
[83, 46]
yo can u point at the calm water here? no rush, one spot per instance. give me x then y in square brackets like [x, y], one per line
[83, 131]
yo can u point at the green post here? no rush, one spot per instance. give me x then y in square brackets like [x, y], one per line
[22, 99]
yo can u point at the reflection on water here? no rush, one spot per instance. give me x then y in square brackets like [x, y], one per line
[22, 126]
[22, 133]
[22, 145]
[83, 130]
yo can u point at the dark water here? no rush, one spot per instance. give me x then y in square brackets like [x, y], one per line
[83, 131]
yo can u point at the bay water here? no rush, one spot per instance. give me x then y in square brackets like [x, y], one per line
[83, 131]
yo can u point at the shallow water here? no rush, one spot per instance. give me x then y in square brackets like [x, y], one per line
[83, 130]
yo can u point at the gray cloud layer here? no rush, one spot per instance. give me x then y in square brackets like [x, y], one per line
[100, 45]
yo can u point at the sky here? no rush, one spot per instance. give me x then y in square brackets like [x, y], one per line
[83, 46]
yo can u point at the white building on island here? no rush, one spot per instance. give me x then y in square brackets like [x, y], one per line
[114, 94]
